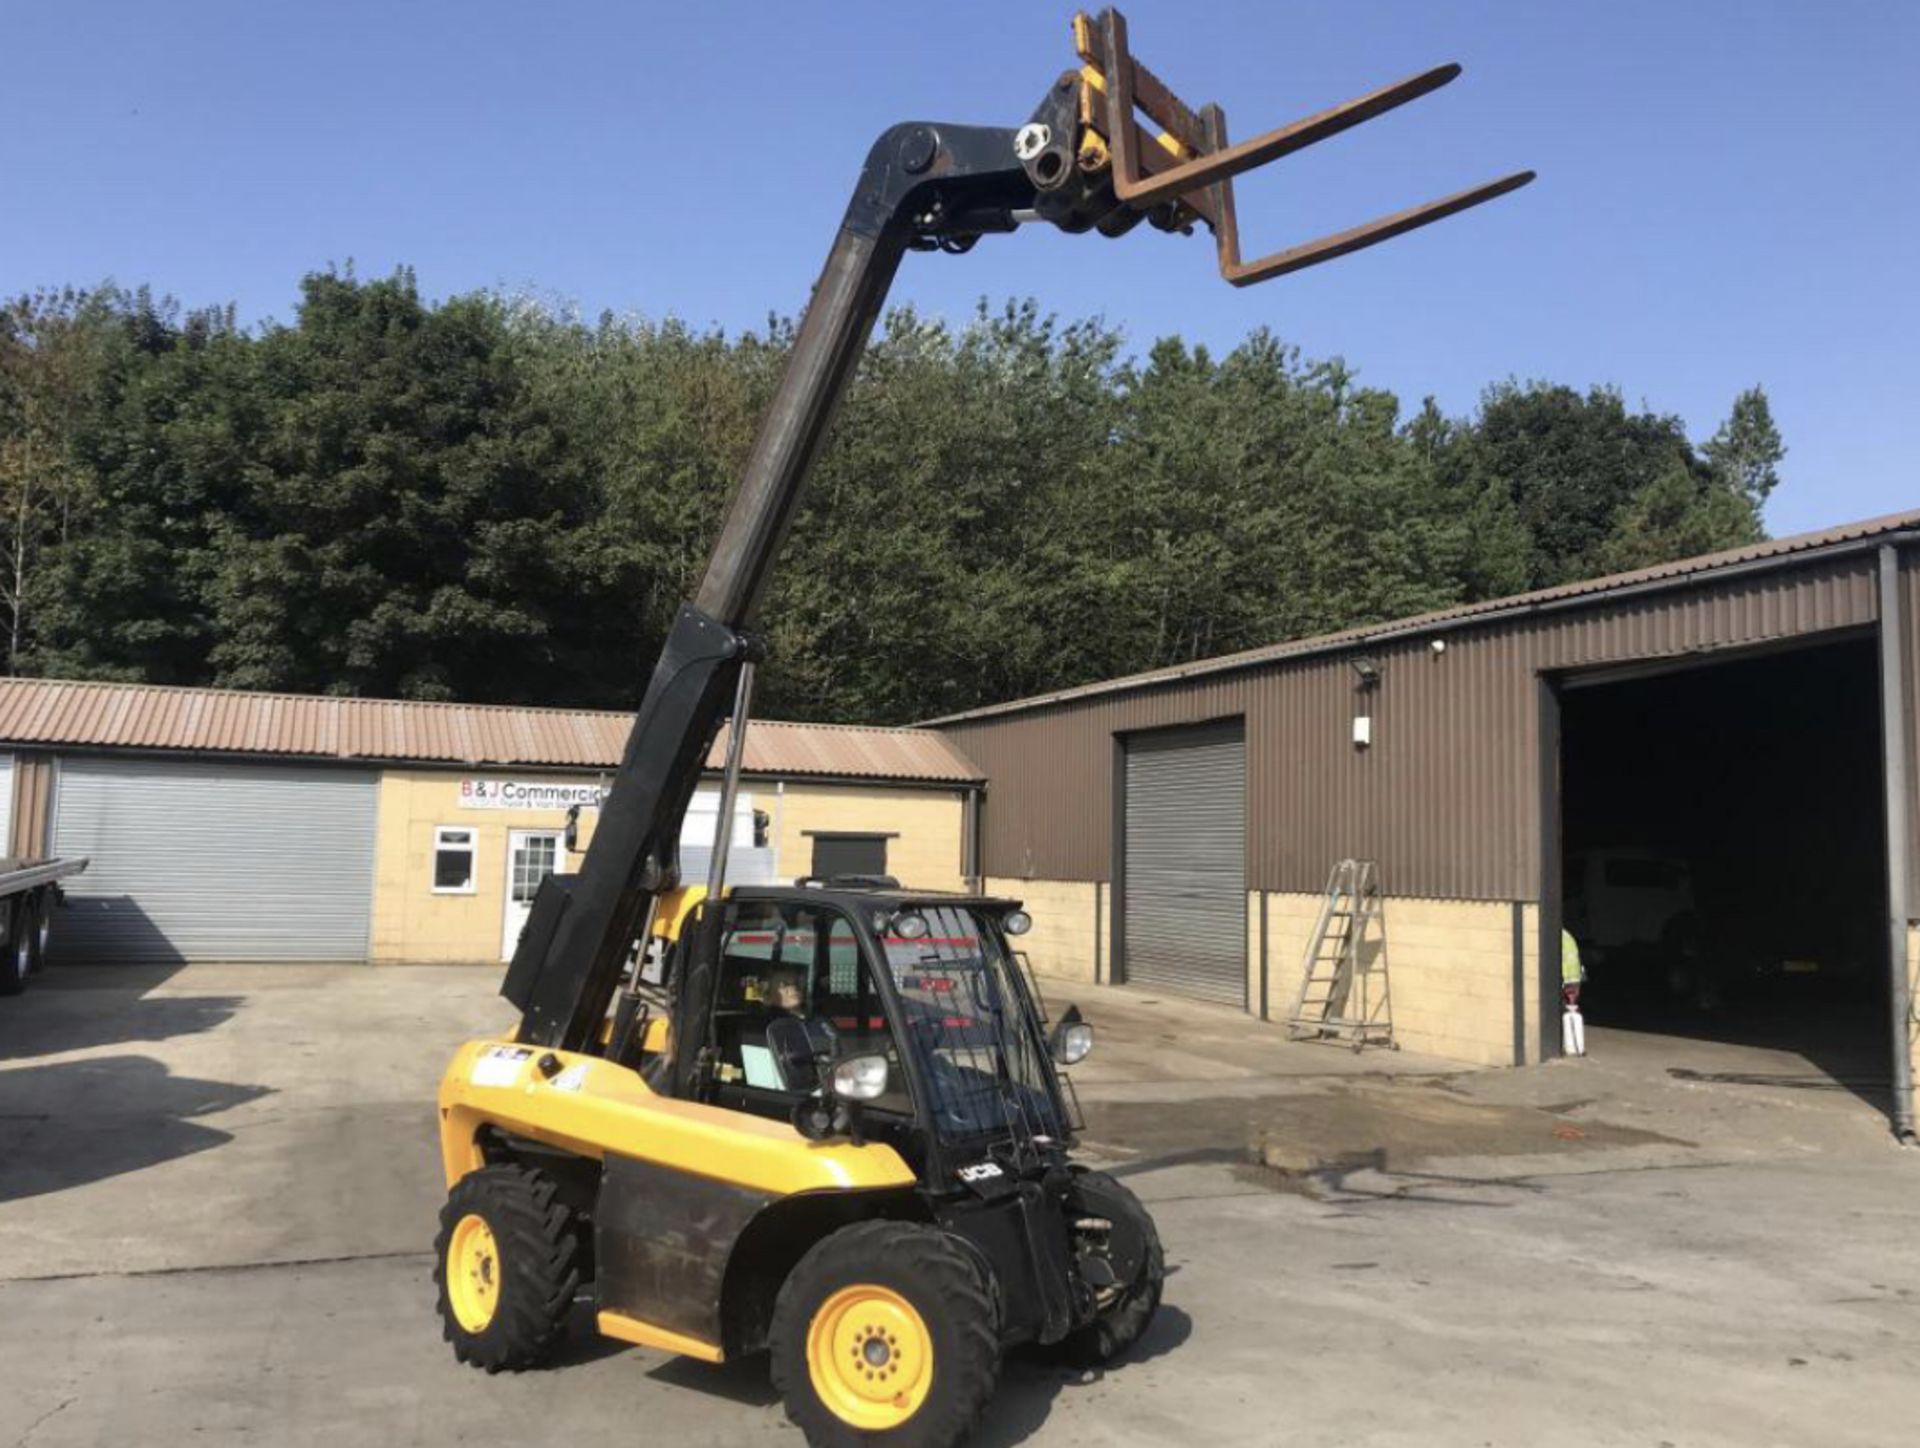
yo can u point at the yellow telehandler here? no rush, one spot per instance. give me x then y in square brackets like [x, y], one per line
[828, 1120]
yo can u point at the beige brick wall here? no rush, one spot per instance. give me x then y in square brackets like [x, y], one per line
[1069, 925]
[413, 925]
[926, 823]
[1449, 964]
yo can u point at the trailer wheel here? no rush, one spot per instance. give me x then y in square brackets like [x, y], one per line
[16, 964]
[42, 930]
[1134, 1303]
[885, 1333]
[505, 1266]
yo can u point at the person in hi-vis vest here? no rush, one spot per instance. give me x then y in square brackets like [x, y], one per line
[1573, 1029]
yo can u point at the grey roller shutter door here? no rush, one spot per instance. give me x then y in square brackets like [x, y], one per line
[1186, 828]
[193, 861]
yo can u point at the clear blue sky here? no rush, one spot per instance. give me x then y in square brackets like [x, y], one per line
[1727, 192]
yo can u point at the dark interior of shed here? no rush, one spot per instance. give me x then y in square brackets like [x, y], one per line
[1723, 847]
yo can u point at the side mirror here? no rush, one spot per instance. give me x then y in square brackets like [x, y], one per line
[1072, 1039]
[573, 829]
[793, 1055]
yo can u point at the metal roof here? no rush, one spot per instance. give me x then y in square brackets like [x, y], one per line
[1776, 552]
[77, 714]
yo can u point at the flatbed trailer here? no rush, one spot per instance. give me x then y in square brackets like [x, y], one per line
[29, 893]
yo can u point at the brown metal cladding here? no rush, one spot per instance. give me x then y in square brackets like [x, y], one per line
[1447, 796]
[55, 713]
[32, 803]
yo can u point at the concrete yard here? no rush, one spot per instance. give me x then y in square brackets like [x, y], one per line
[218, 1188]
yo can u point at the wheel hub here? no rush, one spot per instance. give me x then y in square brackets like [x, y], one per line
[870, 1357]
[473, 1273]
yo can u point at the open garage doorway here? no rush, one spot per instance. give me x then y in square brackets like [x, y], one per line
[1723, 865]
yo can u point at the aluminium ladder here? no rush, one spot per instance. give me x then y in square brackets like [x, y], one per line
[1343, 993]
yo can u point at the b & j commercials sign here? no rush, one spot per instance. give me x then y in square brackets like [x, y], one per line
[528, 794]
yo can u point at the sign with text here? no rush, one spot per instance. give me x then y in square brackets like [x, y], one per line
[529, 794]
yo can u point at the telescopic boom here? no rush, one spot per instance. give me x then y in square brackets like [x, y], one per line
[1082, 162]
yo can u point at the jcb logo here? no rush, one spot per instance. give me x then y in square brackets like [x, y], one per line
[979, 1172]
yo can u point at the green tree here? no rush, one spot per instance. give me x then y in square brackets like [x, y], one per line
[1570, 462]
[489, 498]
[1745, 453]
[50, 358]
[1678, 515]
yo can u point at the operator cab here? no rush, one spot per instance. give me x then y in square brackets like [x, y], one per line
[808, 977]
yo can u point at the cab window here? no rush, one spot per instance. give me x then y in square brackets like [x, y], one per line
[792, 997]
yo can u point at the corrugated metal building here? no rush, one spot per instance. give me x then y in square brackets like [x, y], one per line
[239, 826]
[1457, 793]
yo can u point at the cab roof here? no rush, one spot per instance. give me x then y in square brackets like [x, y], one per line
[851, 894]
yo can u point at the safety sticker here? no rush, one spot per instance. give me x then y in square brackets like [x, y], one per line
[499, 1065]
[571, 1079]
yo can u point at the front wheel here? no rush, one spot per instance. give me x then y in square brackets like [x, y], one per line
[505, 1267]
[885, 1333]
[1116, 1229]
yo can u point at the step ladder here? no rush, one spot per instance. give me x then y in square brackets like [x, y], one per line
[1343, 993]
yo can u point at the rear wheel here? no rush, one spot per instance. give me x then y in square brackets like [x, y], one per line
[885, 1334]
[17, 963]
[505, 1266]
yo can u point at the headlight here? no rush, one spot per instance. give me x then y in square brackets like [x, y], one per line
[1072, 1042]
[910, 926]
[859, 1078]
[1018, 922]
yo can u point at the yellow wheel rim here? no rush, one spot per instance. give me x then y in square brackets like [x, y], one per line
[870, 1357]
[473, 1273]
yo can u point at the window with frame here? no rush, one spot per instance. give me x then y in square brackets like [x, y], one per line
[453, 852]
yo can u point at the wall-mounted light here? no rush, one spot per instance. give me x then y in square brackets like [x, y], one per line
[1367, 672]
[1439, 646]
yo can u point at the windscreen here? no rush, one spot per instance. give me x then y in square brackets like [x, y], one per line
[966, 1021]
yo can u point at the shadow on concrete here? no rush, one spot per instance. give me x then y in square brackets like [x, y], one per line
[1847, 1052]
[49, 1023]
[583, 1342]
[1029, 1385]
[95, 974]
[742, 1380]
[70, 1123]
[90, 925]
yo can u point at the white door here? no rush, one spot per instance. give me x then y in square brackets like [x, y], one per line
[532, 855]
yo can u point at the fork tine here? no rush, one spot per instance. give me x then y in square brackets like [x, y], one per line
[1214, 166]
[1372, 233]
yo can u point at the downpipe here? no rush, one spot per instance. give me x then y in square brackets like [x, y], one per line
[1893, 743]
